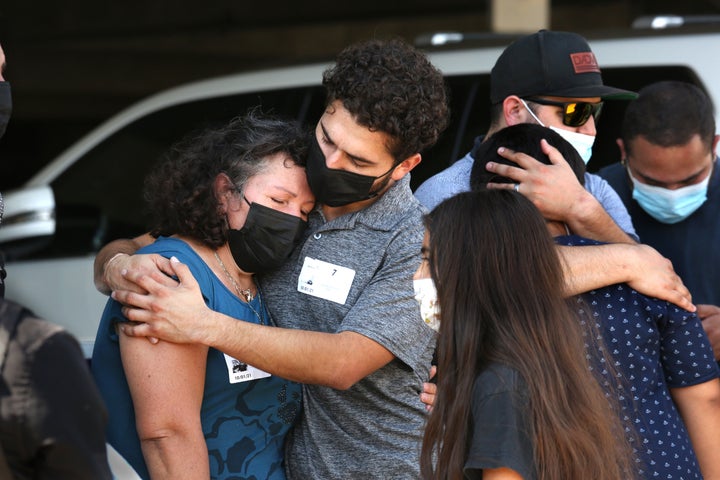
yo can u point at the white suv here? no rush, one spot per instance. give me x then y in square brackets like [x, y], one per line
[91, 194]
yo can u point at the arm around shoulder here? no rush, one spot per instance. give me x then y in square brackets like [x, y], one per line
[640, 266]
[179, 314]
[118, 258]
[588, 217]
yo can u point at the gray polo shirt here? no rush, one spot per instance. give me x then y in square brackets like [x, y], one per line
[374, 429]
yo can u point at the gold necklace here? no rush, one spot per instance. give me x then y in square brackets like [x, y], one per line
[246, 293]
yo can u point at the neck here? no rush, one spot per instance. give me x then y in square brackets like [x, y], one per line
[230, 273]
[244, 286]
[492, 130]
[495, 127]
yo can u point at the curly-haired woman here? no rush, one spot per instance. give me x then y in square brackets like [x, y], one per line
[228, 203]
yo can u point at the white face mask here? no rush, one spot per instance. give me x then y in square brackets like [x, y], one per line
[581, 142]
[426, 295]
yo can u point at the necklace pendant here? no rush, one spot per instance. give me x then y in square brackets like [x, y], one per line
[246, 293]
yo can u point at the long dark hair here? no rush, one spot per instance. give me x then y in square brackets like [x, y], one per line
[499, 282]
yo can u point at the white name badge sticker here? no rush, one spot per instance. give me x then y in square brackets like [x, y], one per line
[242, 372]
[325, 280]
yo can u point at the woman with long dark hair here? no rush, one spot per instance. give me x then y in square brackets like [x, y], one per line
[515, 396]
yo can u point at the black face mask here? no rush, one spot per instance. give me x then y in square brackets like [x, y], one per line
[5, 106]
[266, 240]
[334, 187]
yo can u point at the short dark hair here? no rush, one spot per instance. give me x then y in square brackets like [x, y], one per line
[179, 191]
[525, 138]
[391, 87]
[669, 114]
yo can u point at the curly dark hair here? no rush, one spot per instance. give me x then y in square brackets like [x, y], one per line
[179, 190]
[391, 87]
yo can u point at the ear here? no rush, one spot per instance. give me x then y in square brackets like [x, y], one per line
[714, 146]
[514, 112]
[224, 190]
[621, 146]
[405, 166]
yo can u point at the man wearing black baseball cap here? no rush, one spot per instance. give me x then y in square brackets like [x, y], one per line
[553, 79]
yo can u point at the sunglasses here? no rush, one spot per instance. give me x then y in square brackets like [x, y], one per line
[575, 114]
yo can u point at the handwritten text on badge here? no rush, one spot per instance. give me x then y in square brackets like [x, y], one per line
[325, 280]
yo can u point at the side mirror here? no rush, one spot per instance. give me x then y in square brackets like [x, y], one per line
[28, 220]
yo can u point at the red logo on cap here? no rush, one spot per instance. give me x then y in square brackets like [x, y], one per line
[584, 62]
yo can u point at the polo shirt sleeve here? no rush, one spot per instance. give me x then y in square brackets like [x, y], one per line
[387, 312]
[685, 350]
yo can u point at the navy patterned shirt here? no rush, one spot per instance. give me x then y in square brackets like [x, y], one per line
[655, 346]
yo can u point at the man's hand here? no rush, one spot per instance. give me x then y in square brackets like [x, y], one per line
[140, 264]
[172, 311]
[554, 189]
[427, 396]
[653, 275]
[110, 256]
[710, 316]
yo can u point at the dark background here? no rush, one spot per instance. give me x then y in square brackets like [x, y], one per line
[74, 63]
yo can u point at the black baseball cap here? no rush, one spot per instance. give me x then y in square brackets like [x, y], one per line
[557, 64]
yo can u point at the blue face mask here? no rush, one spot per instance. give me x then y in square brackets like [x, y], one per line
[669, 206]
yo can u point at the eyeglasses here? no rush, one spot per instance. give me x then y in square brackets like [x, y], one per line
[575, 114]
